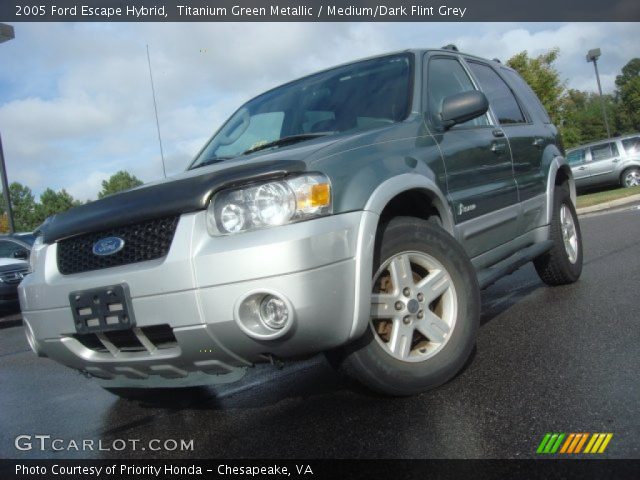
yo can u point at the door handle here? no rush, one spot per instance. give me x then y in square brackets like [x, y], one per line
[538, 142]
[615, 160]
[581, 168]
[498, 148]
[498, 133]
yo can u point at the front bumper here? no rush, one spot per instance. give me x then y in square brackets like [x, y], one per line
[315, 265]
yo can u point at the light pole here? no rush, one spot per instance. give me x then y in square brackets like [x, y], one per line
[592, 56]
[6, 34]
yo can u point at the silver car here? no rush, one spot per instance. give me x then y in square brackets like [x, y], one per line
[611, 161]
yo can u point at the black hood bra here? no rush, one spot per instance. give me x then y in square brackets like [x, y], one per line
[172, 197]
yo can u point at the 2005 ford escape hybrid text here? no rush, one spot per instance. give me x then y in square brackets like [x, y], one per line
[357, 211]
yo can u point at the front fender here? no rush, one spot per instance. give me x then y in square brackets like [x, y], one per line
[378, 200]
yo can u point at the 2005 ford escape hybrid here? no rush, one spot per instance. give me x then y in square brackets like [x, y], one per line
[357, 211]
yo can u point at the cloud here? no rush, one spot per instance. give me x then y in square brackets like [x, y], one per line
[76, 104]
[617, 41]
[87, 188]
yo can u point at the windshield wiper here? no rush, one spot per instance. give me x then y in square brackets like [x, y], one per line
[211, 161]
[286, 141]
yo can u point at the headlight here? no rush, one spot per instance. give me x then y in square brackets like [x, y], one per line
[269, 204]
[37, 247]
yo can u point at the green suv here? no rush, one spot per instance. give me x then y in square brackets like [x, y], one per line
[357, 211]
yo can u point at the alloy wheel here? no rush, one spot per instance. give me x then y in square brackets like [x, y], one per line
[569, 233]
[413, 306]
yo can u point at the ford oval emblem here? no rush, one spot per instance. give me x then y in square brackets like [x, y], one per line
[108, 246]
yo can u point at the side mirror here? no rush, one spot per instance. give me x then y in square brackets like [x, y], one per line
[21, 254]
[461, 107]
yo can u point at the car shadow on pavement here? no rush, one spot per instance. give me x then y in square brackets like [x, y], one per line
[500, 297]
[266, 385]
[315, 387]
[260, 388]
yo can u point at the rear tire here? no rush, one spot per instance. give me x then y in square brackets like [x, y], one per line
[563, 263]
[630, 177]
[425, 312]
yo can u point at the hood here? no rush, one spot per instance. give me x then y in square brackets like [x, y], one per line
[187, 192]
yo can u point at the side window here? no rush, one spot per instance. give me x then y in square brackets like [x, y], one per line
[446, 76]
[602, 152]
[631, 145]
[500, 96]
[576, 157]
[7, 249]
[526, 93]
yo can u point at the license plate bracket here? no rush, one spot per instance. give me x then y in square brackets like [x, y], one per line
[102, 309]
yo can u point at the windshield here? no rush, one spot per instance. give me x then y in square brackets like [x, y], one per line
[359, 96]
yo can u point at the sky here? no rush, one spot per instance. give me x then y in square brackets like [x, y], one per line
[76, 103]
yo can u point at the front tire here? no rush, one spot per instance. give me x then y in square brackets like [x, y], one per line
[562, 264]
[425, 312]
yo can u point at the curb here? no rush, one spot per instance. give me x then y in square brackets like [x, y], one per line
[607, 205]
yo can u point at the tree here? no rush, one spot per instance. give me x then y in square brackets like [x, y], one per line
[543, 78]
[630, 71]
[582, 120]
[52, 202]
[119, 181]
[24, 207]
[628, 95]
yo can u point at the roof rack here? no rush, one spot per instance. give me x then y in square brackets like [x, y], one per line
[450, 46]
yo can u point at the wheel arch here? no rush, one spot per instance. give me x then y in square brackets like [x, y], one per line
[559, 173]
[393, 195]
[628, 166]
[410, 195]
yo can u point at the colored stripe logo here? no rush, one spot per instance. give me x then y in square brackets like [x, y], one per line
[572, 443]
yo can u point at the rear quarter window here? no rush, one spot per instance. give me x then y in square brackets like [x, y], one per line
[631, 145]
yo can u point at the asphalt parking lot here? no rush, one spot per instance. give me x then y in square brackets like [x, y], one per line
[548, 360]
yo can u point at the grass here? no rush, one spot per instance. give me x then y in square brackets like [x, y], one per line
[596, 198]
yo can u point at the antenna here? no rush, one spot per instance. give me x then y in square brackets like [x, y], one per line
[155, 108]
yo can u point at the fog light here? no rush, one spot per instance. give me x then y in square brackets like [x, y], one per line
[264, 314]
[273, 312]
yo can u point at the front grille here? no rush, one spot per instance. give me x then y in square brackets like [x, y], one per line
[13, 277]
[136, 340]
[147, 240]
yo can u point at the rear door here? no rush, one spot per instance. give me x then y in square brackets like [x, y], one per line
[527, 136]
[481, 188]
[604, 160]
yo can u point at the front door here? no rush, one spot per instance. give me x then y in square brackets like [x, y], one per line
[481, 188]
